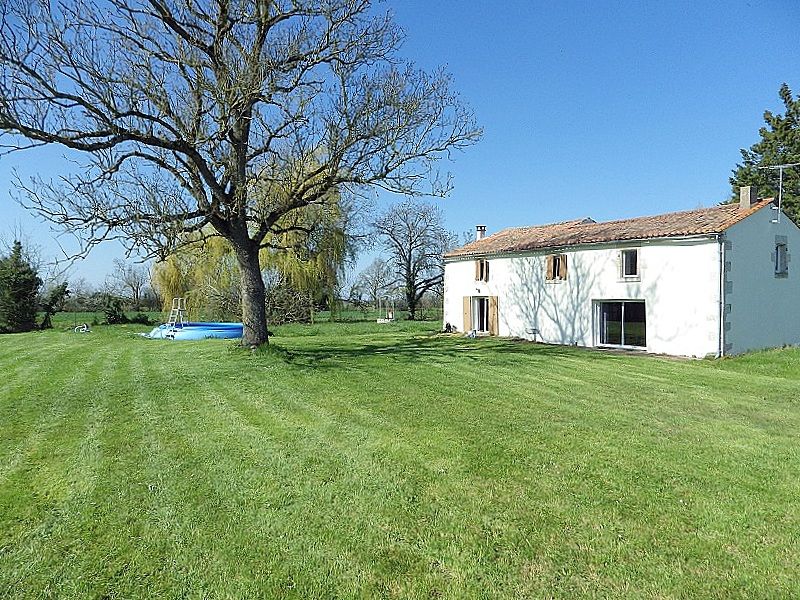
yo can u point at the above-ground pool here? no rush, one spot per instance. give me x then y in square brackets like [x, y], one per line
[196, 331]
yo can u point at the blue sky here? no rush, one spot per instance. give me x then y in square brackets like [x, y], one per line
[601, 109]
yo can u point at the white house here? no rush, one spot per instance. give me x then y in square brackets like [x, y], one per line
[707, 282]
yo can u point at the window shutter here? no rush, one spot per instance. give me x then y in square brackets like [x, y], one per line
[549, 267]
[492, 315]
[477, 270]
[467, 313]
[486, 270]
[563, 266]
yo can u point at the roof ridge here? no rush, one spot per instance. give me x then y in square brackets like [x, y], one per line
[668, 214]
[699, 221]
[761, 202]
[581, 221]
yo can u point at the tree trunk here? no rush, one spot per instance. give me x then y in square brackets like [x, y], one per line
[411, 300]
[254, 314]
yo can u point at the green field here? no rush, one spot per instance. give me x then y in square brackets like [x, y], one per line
[356, 460]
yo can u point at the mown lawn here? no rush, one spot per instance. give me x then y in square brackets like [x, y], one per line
[366, 461]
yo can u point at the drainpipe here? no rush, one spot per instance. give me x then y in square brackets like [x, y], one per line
[721, 336]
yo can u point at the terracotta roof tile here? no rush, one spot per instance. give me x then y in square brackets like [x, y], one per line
[703, 221]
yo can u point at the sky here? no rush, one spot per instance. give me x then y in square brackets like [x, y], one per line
[600, 109]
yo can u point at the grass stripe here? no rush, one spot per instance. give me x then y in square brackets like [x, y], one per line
[364, 461]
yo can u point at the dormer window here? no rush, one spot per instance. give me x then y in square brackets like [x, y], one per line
[481, 270]
[630, 263]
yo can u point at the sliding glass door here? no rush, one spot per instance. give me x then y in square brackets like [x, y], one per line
[622, 323]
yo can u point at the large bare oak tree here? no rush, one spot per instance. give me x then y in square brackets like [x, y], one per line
[223, 115]
[414, 236]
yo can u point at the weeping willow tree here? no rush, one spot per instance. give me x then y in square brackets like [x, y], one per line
[311, 246]
[169, 280]
[305, 254]
[205, 273]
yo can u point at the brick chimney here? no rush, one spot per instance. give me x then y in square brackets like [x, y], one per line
[480, 232]
[748, 196]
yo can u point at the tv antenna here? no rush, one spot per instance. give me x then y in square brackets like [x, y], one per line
[780, 168]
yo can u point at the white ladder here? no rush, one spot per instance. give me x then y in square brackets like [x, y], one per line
[176, 315]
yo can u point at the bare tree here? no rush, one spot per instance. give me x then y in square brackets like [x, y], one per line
[80, 290]
[236, 115]
[413, 233]
[131, 279]
[375, 280]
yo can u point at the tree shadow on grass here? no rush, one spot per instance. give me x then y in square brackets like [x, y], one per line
[434, 348]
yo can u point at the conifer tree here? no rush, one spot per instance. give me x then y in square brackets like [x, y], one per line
[19, 288]
[779, 144]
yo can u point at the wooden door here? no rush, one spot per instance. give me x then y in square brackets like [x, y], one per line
[467, 313]
[493, 315]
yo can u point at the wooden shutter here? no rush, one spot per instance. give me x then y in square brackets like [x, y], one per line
[563, 266]
[477, 270]
[492, 315]
[486, 270]
[467, 313]
[549, 267]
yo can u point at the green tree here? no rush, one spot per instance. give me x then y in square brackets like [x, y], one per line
[53, 302]
[114, 310]
[19, 288]
[176, 108]
[779, 144]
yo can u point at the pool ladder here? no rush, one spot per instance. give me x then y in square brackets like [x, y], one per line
[176, 314]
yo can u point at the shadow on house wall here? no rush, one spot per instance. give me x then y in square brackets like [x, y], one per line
[563, 312]
[558, 312]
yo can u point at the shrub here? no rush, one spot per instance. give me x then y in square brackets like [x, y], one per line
[141, 319]
[286, 304]
[113, 309]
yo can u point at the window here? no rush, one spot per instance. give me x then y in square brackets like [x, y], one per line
[781, 260]
[623, 324]
[481, 270]
[556, 267]
[630, 263]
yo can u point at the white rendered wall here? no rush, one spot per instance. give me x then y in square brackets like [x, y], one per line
[761, 310]
[679, 282]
